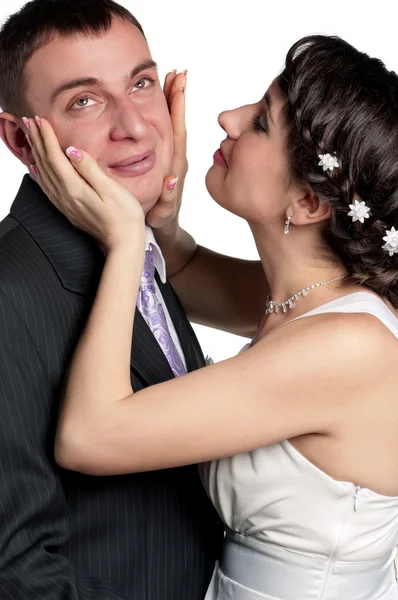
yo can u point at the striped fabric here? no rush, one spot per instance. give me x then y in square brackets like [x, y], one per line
[63, 535]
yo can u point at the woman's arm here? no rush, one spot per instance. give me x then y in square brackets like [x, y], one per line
[216, 290]
[296, 380]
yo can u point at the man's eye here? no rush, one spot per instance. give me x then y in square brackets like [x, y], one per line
[144, 83]
[82, 102]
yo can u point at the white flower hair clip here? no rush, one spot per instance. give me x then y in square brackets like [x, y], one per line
[391, 239]
[359, 211]
[328, 162]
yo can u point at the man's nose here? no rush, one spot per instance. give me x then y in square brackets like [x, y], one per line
[128, 122]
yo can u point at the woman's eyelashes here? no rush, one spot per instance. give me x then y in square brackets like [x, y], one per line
[260, 123]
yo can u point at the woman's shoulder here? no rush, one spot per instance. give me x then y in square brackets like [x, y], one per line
[359, 332]
[355, 316]
[340, 343]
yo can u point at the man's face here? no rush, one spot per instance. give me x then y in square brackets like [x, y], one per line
[102, 94]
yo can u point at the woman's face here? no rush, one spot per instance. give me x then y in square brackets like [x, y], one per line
[250, 175]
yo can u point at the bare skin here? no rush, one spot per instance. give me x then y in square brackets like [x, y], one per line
[107, 100]
[325, 383]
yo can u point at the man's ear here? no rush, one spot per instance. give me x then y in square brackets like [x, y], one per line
[13, 133]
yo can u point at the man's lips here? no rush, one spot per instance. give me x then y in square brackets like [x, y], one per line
[136, 165]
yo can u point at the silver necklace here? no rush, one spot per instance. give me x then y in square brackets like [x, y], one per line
[271, 306]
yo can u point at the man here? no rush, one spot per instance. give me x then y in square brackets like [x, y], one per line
[86, 67]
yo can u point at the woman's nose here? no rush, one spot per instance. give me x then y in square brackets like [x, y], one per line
[235, 121]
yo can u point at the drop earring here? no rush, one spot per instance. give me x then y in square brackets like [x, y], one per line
[287, 224]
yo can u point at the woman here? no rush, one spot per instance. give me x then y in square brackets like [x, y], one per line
[298, 434]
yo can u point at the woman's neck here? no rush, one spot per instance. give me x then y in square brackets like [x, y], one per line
[292, 263]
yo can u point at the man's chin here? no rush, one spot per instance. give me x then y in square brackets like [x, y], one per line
[146, 192]
[148, 205]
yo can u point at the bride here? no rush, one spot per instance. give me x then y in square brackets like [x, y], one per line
[297, 436]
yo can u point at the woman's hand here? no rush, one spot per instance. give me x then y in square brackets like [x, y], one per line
[77, 186]
[164, 215]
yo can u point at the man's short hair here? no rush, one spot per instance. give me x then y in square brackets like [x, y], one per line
[34, 25]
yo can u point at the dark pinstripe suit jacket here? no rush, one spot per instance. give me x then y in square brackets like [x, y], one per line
[63, 535]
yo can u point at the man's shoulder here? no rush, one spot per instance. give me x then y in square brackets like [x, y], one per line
[6, 225]
[15, 241]
[21, 259]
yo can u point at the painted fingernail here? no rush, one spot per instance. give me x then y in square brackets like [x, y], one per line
[25, 121]
[172, 183]
[33, 170]
[29, 140]
[38, 121]
[72, 151]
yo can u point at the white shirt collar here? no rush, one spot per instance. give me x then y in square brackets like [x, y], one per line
[158, 258]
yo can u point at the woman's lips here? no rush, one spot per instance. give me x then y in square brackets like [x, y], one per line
[138, 167]
[219, 159]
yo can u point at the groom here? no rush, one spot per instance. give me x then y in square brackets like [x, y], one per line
[86, 67]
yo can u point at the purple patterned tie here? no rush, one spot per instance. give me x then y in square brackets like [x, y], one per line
[152, 310]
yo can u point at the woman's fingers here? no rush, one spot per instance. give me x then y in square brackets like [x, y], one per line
[177, 115]
[70, 175]
[53, 166]
[79, 174]
[79, 188]
[168, 82]
[179, 82]
[38, 149]
[167, 207]
[105, 187]
[40, 170]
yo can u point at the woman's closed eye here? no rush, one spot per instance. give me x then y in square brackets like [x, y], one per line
[260, 123]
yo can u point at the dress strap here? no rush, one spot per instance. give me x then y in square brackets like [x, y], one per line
[358, 302]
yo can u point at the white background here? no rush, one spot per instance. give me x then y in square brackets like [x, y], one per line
[232, 50]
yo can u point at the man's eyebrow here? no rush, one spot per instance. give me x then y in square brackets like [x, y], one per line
[146, 64]
[91, 81]
[268, 102]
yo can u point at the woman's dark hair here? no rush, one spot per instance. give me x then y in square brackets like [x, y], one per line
[339, 100]
[34, 25]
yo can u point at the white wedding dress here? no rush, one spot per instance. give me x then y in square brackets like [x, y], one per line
[293, 532]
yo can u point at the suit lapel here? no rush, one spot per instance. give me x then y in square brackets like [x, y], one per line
[190, 346]
[74, 256]
[78, 263]
[147, 358]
